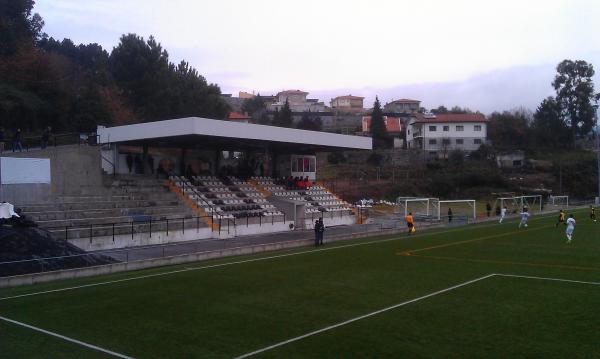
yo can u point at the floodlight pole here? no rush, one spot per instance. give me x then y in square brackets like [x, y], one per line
[597, 148]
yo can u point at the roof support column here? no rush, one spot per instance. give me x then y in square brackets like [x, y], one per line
[144, 159]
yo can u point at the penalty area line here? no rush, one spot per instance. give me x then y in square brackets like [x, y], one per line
[65, 338]
[334, 326]
[363, 317]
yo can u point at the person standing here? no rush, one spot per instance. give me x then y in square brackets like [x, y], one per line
[524, 217]
[561, 218]
[317, 233]
[321, 231]
[46, 137]
[17, 141]
[151, 163]
[449, 215]
[502, 214]
[488, 209]
[593, 213]
[570, 228]
[129, 160]
[410, 223]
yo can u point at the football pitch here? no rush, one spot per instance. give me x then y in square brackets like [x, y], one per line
[487, 290]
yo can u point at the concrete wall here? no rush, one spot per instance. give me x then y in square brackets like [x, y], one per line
[28, 279]
[73, 168]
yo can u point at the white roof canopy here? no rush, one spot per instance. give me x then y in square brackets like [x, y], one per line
[206, 132]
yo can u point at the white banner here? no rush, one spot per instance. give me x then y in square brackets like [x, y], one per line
[24, 170]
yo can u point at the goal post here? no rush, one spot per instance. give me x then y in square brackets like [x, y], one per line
[471, 203]
[556, 201]
[419, 206]
[532, 201]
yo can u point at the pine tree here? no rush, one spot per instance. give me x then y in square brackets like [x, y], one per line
[378, 130]
[285, 116]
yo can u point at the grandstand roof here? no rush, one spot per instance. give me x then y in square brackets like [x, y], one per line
[196, 132]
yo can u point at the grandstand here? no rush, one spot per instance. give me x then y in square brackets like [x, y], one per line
[180, 180]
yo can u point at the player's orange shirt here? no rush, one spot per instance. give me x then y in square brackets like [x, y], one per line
[409, 219]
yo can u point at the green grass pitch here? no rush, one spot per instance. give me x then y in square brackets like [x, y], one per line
[231, 307]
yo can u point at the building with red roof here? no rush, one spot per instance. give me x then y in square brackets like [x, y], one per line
[238, 117]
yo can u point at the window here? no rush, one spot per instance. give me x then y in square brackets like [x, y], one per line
[432, 128]
[460, 128]
[446, 141]
[432, 142]
[303, 164]
[477, 128]
[477, 141]
[459, 141]
[446, 128]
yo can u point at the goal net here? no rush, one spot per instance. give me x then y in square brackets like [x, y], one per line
[515, 205]
[558, 201]
[420, 207]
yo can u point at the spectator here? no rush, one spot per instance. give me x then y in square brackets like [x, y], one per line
[488, 209]
[1, 139]
[317, 233]
[307, 182]
[321, 231]
[449, 214]
[46, 137]
[129, 161]
[17, 141]
[151, 163]
[138, 165]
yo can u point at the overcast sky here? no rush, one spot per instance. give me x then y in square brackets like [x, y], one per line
[486, 55]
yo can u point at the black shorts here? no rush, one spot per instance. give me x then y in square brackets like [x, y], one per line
[410, 225]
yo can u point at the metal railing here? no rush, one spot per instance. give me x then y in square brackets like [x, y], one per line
[59, 139]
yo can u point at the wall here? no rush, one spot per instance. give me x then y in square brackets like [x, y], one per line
[73, 169]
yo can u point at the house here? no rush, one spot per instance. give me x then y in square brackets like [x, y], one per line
[402, 106]
[393, 125]
[348, 104]
[297, 101]
[513, 159]
[441, 133]
[238, 117]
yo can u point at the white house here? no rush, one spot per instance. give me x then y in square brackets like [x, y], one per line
[439, 134]
[297, 101]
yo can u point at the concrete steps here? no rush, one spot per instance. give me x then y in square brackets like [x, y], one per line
[96, 213]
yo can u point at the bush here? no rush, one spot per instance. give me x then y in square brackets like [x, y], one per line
[375, 159]
[336, 157]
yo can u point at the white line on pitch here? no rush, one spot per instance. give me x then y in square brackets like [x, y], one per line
[66, 338]
[546, 278]
[363, 317]
[187, 269]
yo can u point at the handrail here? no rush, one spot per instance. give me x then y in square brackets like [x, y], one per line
[110, 163]
[195, 191]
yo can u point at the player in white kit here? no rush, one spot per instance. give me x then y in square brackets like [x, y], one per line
[570, 228]
[524, 217]
[502, 214]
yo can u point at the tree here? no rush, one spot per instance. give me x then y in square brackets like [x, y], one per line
[18, 25]
[284, 118]
[548, 128]
[459, 110]
[255, 107]
[575, 93]
[310, 123]
[378, 130]
[509, 130]
[441, 109]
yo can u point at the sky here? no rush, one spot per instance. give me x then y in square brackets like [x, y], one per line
[487, 55]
